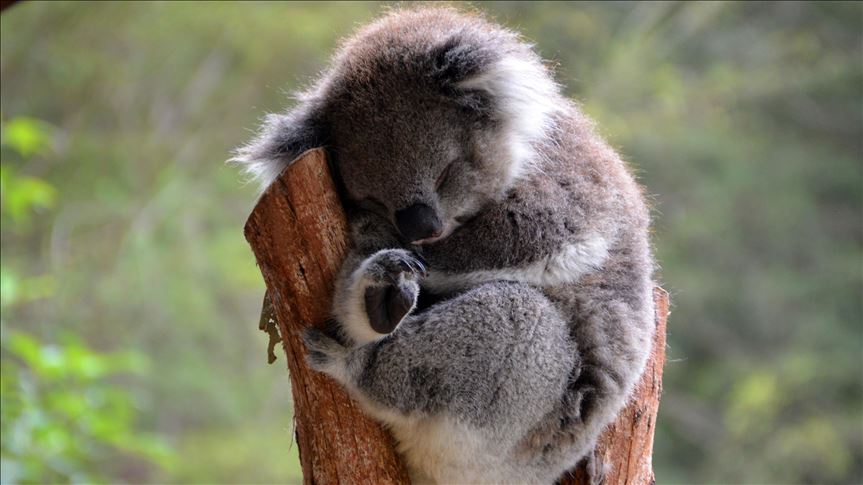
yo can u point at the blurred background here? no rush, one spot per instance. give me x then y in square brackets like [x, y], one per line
[130, 300]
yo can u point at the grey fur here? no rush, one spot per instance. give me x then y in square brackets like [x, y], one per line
[534, 321]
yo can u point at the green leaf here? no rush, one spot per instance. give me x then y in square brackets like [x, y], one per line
[22, 195]
[24, 347]
[8, 287]
[27, 136]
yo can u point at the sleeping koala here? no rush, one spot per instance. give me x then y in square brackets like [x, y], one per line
[495, 310]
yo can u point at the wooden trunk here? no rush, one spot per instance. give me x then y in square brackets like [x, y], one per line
[298, 233]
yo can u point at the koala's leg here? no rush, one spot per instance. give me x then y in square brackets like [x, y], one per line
[613, 325]
[497, 356]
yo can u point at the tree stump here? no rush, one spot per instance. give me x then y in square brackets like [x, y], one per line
[298, 233]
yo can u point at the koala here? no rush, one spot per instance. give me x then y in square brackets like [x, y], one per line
[495, 310]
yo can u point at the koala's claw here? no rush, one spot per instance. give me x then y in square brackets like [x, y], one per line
[423, 264]
[414, 265]
[392, 264]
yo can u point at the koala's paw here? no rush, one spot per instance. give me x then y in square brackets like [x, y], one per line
[392, 288]
[325, 353]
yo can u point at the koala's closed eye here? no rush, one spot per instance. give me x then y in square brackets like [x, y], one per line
[443, 176]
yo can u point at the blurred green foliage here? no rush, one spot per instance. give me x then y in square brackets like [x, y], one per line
[62, 418]
[121, 228]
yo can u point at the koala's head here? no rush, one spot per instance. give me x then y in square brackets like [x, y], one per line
[426, 114]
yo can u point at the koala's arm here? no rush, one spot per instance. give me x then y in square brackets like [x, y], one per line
[546, 232]
[361, 273]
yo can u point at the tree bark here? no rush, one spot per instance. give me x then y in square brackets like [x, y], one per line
[298, 233]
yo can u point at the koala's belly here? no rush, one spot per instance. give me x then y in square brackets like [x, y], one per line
[445, 450]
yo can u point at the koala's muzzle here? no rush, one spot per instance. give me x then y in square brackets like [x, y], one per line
[418, 222]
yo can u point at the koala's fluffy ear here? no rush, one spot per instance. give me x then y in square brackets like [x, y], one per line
[494, 83]
[456, 61]
[281, 139]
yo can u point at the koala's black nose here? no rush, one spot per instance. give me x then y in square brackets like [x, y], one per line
[418, 222]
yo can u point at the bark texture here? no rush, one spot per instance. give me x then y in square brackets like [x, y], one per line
[298, 233]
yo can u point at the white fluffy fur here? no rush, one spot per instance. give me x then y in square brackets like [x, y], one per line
[566, 266]
[527, 97]
[441, 449]
[257, 164]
